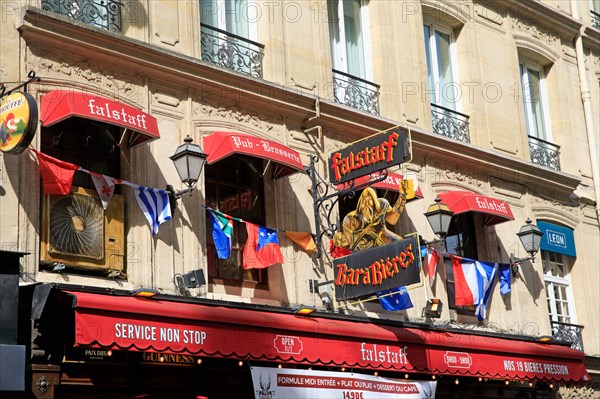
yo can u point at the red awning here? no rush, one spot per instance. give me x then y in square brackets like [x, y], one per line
[495, 211]
[128, 323]
[220, 145]
[391, 182]
[59, 105]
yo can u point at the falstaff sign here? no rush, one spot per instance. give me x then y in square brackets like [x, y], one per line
[377, 269]
[378, 152]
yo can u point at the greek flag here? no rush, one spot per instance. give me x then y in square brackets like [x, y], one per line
[155, 205]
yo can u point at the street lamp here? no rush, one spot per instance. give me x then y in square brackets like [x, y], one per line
[189, 161]
[531, 237]
[439, 216]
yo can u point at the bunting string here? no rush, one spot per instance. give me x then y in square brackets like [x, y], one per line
[57, 177]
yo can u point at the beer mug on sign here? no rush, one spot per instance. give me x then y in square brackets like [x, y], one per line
[411, 184]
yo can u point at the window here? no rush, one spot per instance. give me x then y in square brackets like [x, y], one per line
[558, 287]
[228, 35]
[105, 14]
[234, 187]
[541, 149]
[76, 231]
[440, 70]
[231, 16]
[348, 30]
[348, 37]
[534, 100]
[444, 92]
[461, 241]
[595, 13]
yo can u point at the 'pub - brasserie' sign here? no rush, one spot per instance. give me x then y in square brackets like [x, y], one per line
[377, 269]
[378, 152]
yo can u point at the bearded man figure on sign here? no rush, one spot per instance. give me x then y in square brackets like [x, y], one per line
[366, 227]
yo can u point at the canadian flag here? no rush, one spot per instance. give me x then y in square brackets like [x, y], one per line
[105, 185]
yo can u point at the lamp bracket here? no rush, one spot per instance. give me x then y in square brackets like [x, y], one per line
[516, 262]
[175, 195]
[324, 200]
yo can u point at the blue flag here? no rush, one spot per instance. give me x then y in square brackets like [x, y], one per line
[504, 274]
[398, 300]
[222, 230]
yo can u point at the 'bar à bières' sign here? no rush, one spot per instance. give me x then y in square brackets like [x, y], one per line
[373, 154]
[377, 269]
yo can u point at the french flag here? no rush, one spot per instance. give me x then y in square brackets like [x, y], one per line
[473, 281]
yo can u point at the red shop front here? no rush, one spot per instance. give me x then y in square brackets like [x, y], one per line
[216, 333]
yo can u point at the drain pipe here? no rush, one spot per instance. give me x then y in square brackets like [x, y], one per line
[586, 99]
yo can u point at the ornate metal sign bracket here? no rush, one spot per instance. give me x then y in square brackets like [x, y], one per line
[32, 78]
[325, 201]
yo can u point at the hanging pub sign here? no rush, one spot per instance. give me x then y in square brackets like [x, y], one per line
[18, 122]
[375, 153]
[376, 269]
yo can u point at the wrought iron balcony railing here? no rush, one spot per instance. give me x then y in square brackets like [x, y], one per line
[544, 153]
[355, 92]
[568, 333]
[595, 19]
[231, 51]
[449, 123]
[104, 14]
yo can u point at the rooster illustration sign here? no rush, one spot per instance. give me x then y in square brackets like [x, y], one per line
[18, 122]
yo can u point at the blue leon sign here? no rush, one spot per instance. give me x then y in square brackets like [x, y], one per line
[557, 238]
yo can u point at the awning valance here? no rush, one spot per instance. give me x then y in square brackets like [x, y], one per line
[129, 323]
[219, 145]
[59, 105]
[494, 210]
[391, 182]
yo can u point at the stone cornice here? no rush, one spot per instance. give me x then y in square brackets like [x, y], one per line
[547, 16]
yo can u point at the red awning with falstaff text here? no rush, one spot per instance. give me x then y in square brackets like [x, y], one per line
[59, 105]
[220, 145]
[495, 211]
[149, 325]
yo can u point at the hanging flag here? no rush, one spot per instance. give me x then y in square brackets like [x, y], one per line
[430, 260]
[262, 247]
[473, 283]
[304, 240]
[57, 175]
[398, 299]
[504, 275]
[105, 185]
[222, 230]
[154, 203]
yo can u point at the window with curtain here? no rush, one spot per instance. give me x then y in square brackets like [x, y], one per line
[558, 287]
[440, 73]
[533, 91]
[347, 33]
[234, 186]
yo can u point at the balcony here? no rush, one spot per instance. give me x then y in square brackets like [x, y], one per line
[355, 92]
[449, 123]
[595, 19]
[544, 153]
[568, 333]
[231, 51]
[103, 14]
